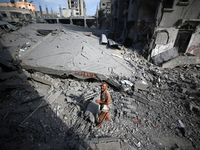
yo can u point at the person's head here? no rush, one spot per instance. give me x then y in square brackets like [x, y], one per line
[103, 87]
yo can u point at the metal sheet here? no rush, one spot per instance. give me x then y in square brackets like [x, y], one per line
[104, 39]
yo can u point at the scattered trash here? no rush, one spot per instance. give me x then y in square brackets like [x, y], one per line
[126, 82]
[138, 144]
[181, 124]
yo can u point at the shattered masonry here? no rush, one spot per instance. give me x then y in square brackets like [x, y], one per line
[48, 105]
[51, 76]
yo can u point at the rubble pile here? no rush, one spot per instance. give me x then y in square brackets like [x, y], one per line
[154, 108]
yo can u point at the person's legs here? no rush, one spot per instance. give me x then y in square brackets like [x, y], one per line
[102, 117]
[108, 116]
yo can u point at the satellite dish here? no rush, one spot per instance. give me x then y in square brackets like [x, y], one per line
[12, 1]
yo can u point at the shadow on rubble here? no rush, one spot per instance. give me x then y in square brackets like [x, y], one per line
[30, 120]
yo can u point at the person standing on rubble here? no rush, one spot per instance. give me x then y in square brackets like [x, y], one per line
[104, 105]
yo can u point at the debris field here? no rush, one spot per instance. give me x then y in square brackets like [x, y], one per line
[49, 84]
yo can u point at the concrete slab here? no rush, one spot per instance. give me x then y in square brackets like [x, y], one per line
[93, 109]
[165, 56]
[71, 53]
[194, 45]
[182, 60]
[109, 143]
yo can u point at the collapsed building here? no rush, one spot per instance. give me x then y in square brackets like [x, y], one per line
[50, 79]
[159, 29]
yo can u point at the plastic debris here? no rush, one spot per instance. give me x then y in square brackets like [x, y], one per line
[126, 82]
[181, 124]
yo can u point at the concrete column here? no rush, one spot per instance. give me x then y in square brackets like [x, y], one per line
[60, 9]
[47, 11]
[81, 2]
[85, 23]
[42, 18]
[97, 16]
[69, 2]
[78, 1]
[51, 11]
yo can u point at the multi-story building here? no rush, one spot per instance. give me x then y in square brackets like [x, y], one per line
[160, 26]
[105, 5]
[23, 4]
[75, 7]
[21, 10]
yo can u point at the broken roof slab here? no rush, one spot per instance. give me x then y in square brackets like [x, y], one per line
[73, 53]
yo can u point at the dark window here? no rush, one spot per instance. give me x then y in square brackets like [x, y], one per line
[103, 4]
[168, 3]
[4, 14]
[29, 4]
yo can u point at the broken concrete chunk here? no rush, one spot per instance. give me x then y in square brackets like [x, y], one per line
[181, 60]
[53, 97]
[93, 109]
[132, 108]
[105, 143]
[142, 85]
[165, 56]
[45, 79]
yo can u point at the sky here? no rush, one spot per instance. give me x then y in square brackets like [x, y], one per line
[91, 5]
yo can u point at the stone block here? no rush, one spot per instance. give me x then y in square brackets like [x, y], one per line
[141, 86]
[165, 56]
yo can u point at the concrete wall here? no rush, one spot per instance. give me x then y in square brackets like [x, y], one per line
[77, 8]
[194, 45]
[66, 13]
[106, 6]
[142, 21]
[180, 11]
[22, 5]
[15, 14]
[165, 39]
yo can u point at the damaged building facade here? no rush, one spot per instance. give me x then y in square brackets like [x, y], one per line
[159, 29]
[74, 8]
[105, 5]
[17, 11]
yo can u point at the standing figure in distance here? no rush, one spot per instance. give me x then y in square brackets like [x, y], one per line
[104, 105]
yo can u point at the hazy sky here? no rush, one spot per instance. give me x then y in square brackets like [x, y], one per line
[91, 5]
